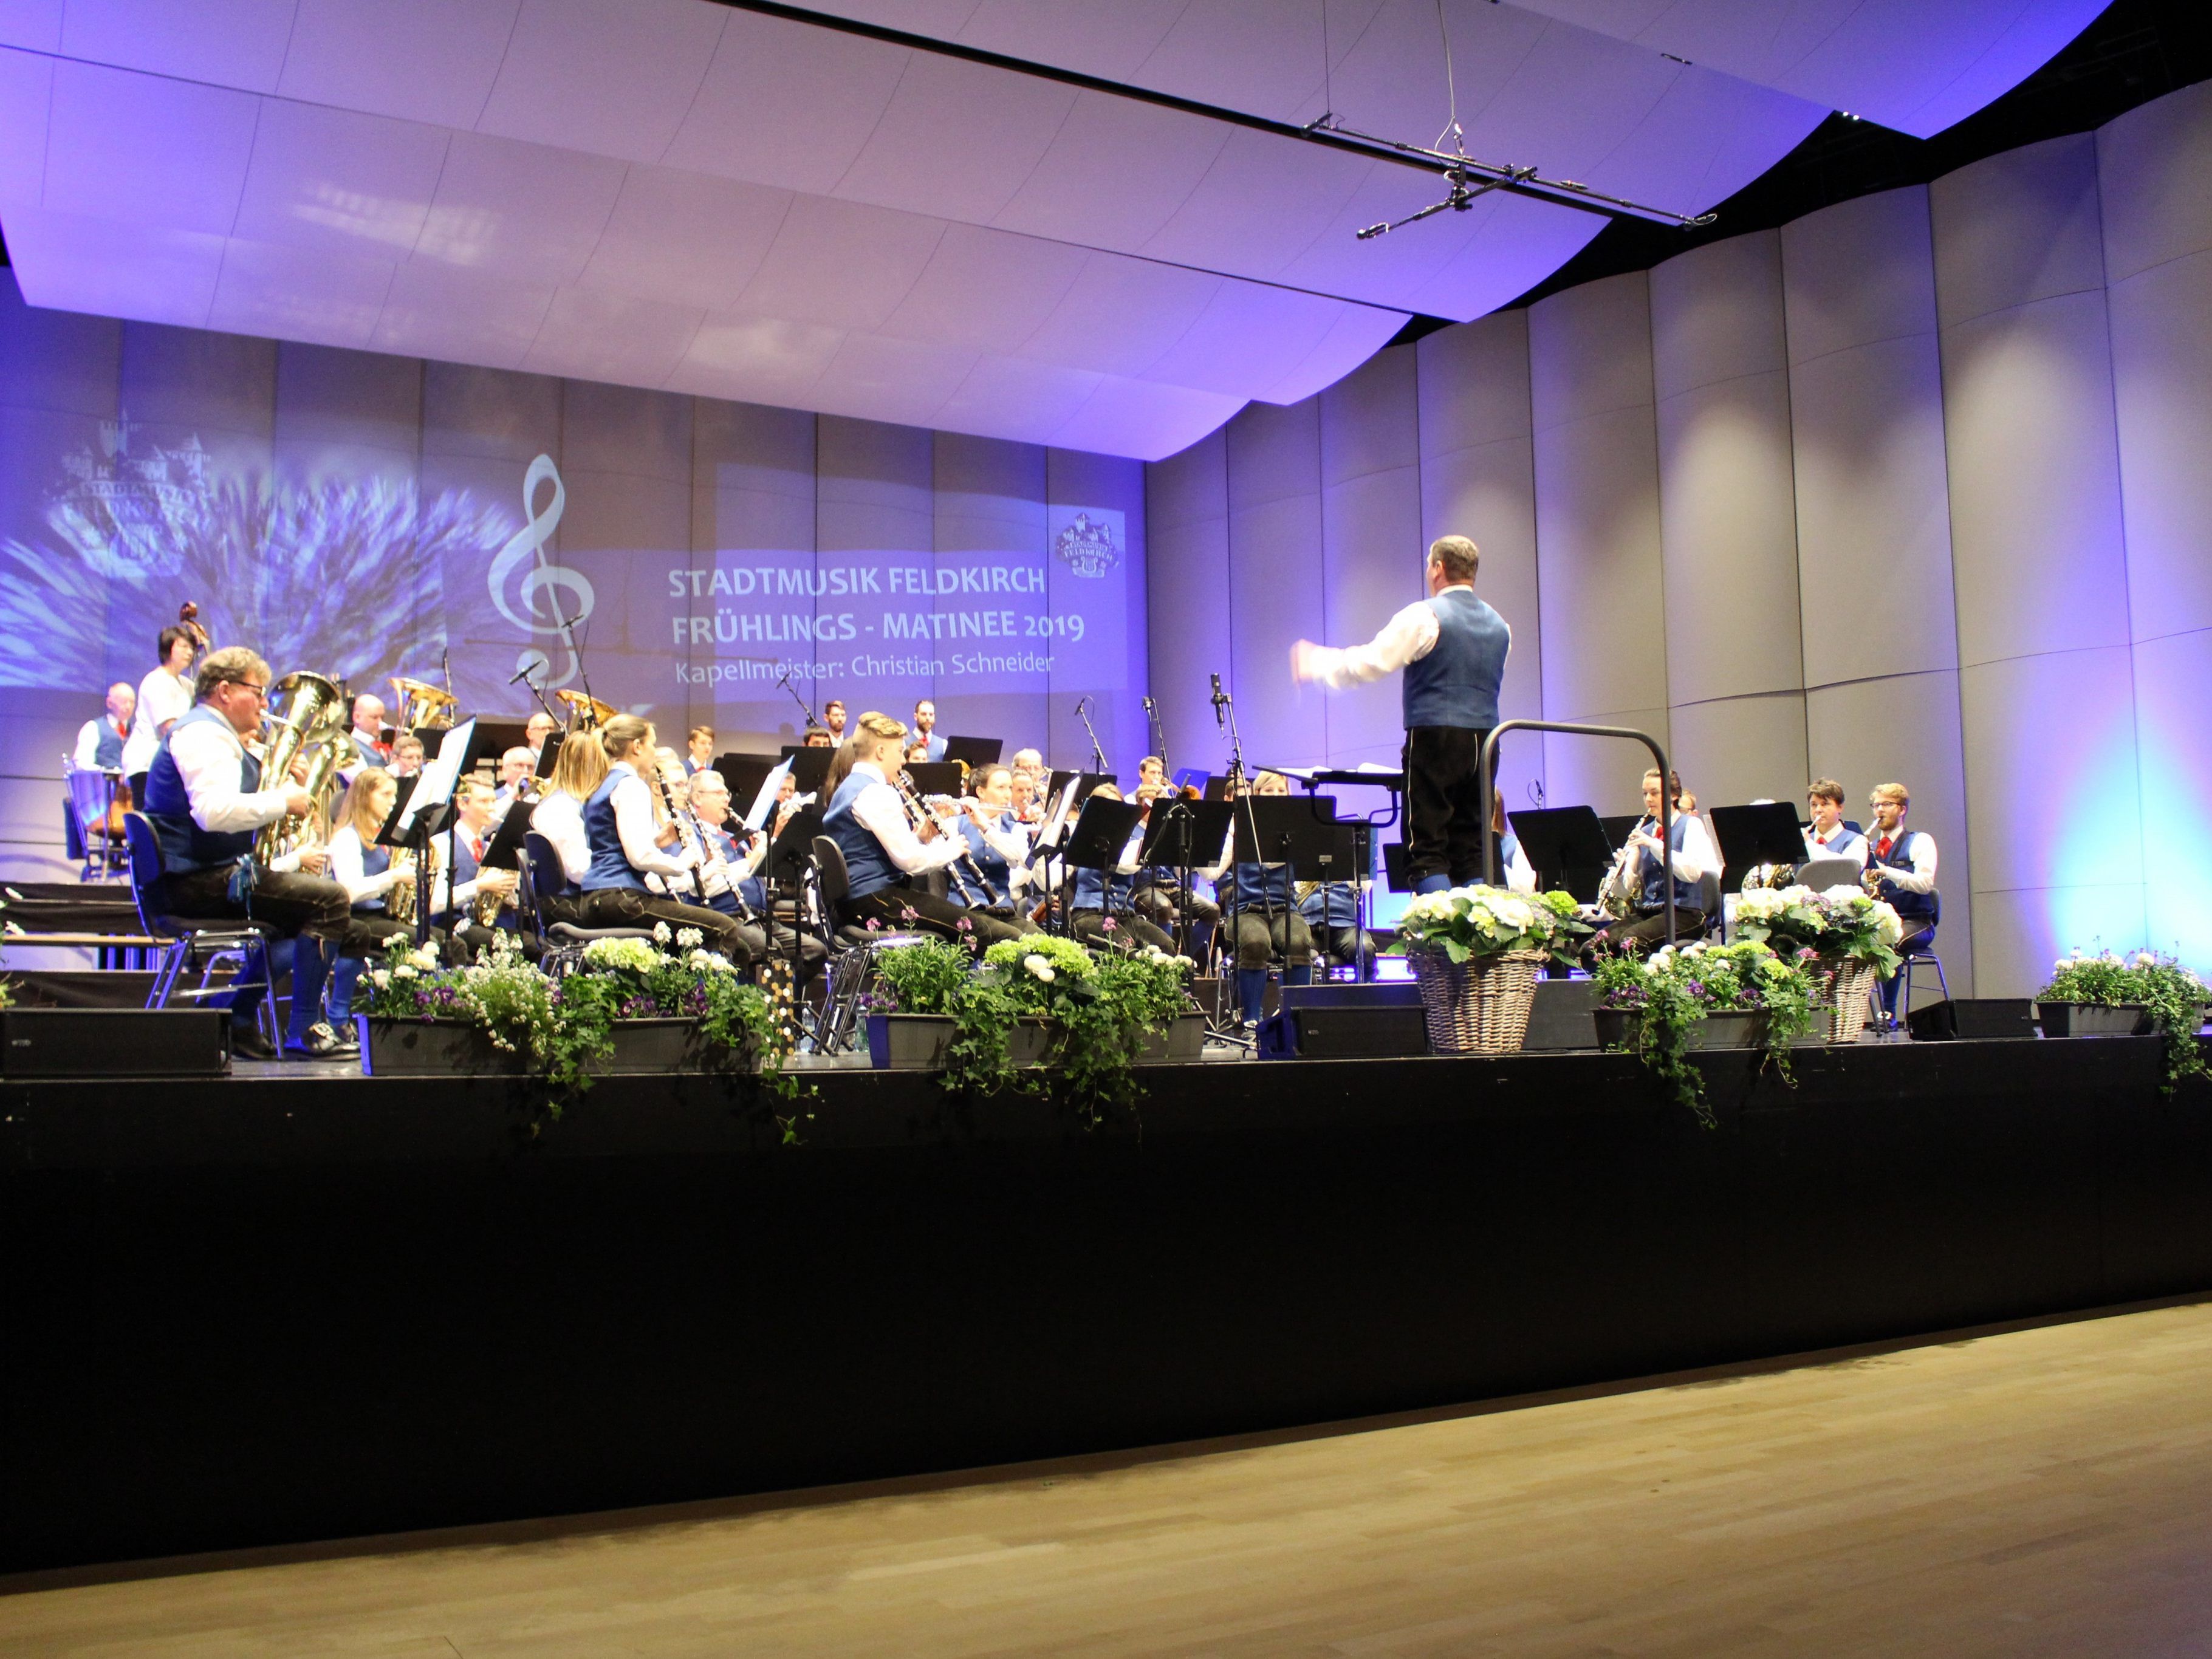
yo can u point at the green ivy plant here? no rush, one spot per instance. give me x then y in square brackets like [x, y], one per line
[2174, 998]
[1673, 989]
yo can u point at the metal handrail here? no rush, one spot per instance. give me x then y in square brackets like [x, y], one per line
[1666, 794]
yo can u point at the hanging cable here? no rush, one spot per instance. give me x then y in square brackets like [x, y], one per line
[1451, 88]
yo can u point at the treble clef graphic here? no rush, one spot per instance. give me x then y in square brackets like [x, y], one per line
[566, 595]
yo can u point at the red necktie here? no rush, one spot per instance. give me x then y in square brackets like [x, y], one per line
[1883, 851]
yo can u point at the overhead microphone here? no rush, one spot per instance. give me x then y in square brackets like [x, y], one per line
[1220, 702]
[535, 661]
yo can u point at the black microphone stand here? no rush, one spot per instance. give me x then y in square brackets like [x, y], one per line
[806, 714]
[1224, 715]
[1098, 754]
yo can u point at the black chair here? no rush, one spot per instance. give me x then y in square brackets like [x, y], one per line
[543, 877]
[203, 944]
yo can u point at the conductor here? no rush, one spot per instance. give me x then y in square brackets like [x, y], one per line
[1453, 648]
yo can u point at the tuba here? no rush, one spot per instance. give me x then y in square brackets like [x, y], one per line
[585, 712]
[422, 705]
[314, 713]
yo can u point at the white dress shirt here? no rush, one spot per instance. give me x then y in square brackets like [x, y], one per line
[1407, 637]
[1519, 874]
[208, 758]
[559, 816]
[347, 868]
[87, 756]
[1697, 857]
[1921, 879]
[1842, 843]
[879, 810]
[162, 698]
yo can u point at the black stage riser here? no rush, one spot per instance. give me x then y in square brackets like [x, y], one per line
[251, 1312]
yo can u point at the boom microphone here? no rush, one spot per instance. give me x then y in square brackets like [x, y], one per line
[531, 666]
[1220, 703]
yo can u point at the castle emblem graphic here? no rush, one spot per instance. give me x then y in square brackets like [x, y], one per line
[1087, 546]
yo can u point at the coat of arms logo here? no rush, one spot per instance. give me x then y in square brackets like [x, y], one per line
[1087, 546]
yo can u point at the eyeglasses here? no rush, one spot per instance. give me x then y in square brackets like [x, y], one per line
[259, 689]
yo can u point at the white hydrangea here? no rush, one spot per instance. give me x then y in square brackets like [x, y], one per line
[1888, 926]
[1038, 966]
[689, 937]
[660, 932]
[381, 978]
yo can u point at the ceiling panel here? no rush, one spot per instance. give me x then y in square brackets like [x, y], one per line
[841, 263]
[880, 379]
[230, 43]
[592, 335]
[1015, 398]
[957, 140]
[762, 359]
[34, 24]
[336, 179]
[27, 91]
[987, 289]
[614, 80]
[511, 209]
[1120, 314]
[1116, 174]
[146, 272]
[292, 293]
[148, 151]
[437, 310]
[684, 238]
[422, 60]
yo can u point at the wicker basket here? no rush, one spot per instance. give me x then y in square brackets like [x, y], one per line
[1477, 1008]
[1850, 985]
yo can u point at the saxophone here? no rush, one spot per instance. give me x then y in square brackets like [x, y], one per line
[1617, 896]
[400, 897]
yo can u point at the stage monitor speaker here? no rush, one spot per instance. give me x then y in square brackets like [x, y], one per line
[1377, 1021]
[1563, 1016]
[66, 1042]
[1980, 1018]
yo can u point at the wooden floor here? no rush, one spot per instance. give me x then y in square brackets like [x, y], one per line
[2042, 1492]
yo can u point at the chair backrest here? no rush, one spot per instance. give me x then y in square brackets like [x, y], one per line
[147, 888]
[835, 881]
[1822, 874]
[1709, 899]
[541, 863]
[526, 895]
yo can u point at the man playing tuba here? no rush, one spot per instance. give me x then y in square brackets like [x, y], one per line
[206, 798]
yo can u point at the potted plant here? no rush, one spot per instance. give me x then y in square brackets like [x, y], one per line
[1746, 996]
[1153, 987]
[1852, 936]
[423, 1017]
[913, 1005]
[684, 1010]
[2108, 995]
[1475, 951]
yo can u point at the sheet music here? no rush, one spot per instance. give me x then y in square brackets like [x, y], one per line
[440, 774]
[764, 801]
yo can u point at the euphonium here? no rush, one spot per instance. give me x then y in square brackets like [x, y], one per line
[314, 712]
[400, 897]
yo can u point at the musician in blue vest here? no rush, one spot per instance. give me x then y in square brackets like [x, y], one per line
[466, 890]
[998, 846]
[1453, 648]
[365, 870]
[729, 873]
[1331, 910]
[205, 798]
[631, 837]
[100, 742]
[1644, 866]
[1901, 867]
[1827, 836]
[1263, 918]
[1103, 908]
[884, 848]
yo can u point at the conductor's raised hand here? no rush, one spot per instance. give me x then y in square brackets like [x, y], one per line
[1307, 661]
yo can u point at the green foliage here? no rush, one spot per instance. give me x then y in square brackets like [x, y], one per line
[2174, 997]
[1465, 922]
[1099, 1010]
[1668, 993]
[1841, 924]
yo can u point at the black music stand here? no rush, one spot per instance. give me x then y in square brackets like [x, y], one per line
[1769, 833]
[1567, 846]
[744, 774]
[1058, 781]
[808, 768]
[789, 854]
[409, 829]
[506, 840]
[1102, 831]
[975, 751]
[1181, 835]
[935, 778]
[547, 754]
[1617, 827]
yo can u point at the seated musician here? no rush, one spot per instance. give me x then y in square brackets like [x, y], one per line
[1901, 870]
[365, 871]
[455, 894]
[1639, 874]
[100, 742]
[998, 843]
[1101, 906]
[1026, 800]
[542, 726]
[716, 878]
[1828, 836]
[518, 780]
[205, 798]
[1029, 761]
[1264, 924]
[924, 732]
[881, 845]
[1333, 916]
[407, 754]
[698, 751]
[369, 749]
[631, 838]
[579, 767]
[818, 736]
[732, 875]
[917, 752]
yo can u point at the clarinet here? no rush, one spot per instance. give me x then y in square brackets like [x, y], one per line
[920, 814]
[697, 847]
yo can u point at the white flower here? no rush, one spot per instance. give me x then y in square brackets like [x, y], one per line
[2062, 964]
[382, 977]
[2145, 959]
[1662, 958]
[403, 971]
[689, 937]
[1889, 927]
[1037, 965]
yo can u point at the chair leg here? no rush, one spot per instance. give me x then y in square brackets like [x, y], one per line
[1941, 984]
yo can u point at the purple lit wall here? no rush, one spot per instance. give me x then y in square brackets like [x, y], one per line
[1918, 488]
[342, 512]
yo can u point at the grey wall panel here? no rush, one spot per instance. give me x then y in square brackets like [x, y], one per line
[2161, 334]
[1603, 773]
[1735, 750]
[1717, 314]
[499, 414]
[2017, 227]
[1873, 534]
[1370, 420]
[2020, 934]
[1370, 470]
[1276, 583]
[1475, 384]
[1076, 478]
[2038, 555]
[1187, 518]
[57, 360]
[1905, 729]
[353, 399]
[2151, 168]
[625, 430]
[1858, 272]
[1274, 451]
[990, 497]
[2174, 745]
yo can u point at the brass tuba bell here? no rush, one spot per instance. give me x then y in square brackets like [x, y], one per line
[307, 710]
[422, 705]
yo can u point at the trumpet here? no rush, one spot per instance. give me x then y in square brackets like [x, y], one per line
[1617, 896]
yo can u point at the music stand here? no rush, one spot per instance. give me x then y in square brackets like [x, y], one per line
[547, 755]
[975, 751]
[1292, 831]
[506, 840]
[409, 827]
[1566, 847]
[1058, 781]
[935, 778]
[1102, 833]
[1616, 828]
[809, 767]
[1194, 777]
[789, 854]
[1181, 835]
[1767, 834]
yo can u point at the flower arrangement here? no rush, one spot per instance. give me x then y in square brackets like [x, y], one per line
[1843, 925]
[2174, 998]
[1464, 923]
[565, 1028]
[1670, 992]
[1099, 1009]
